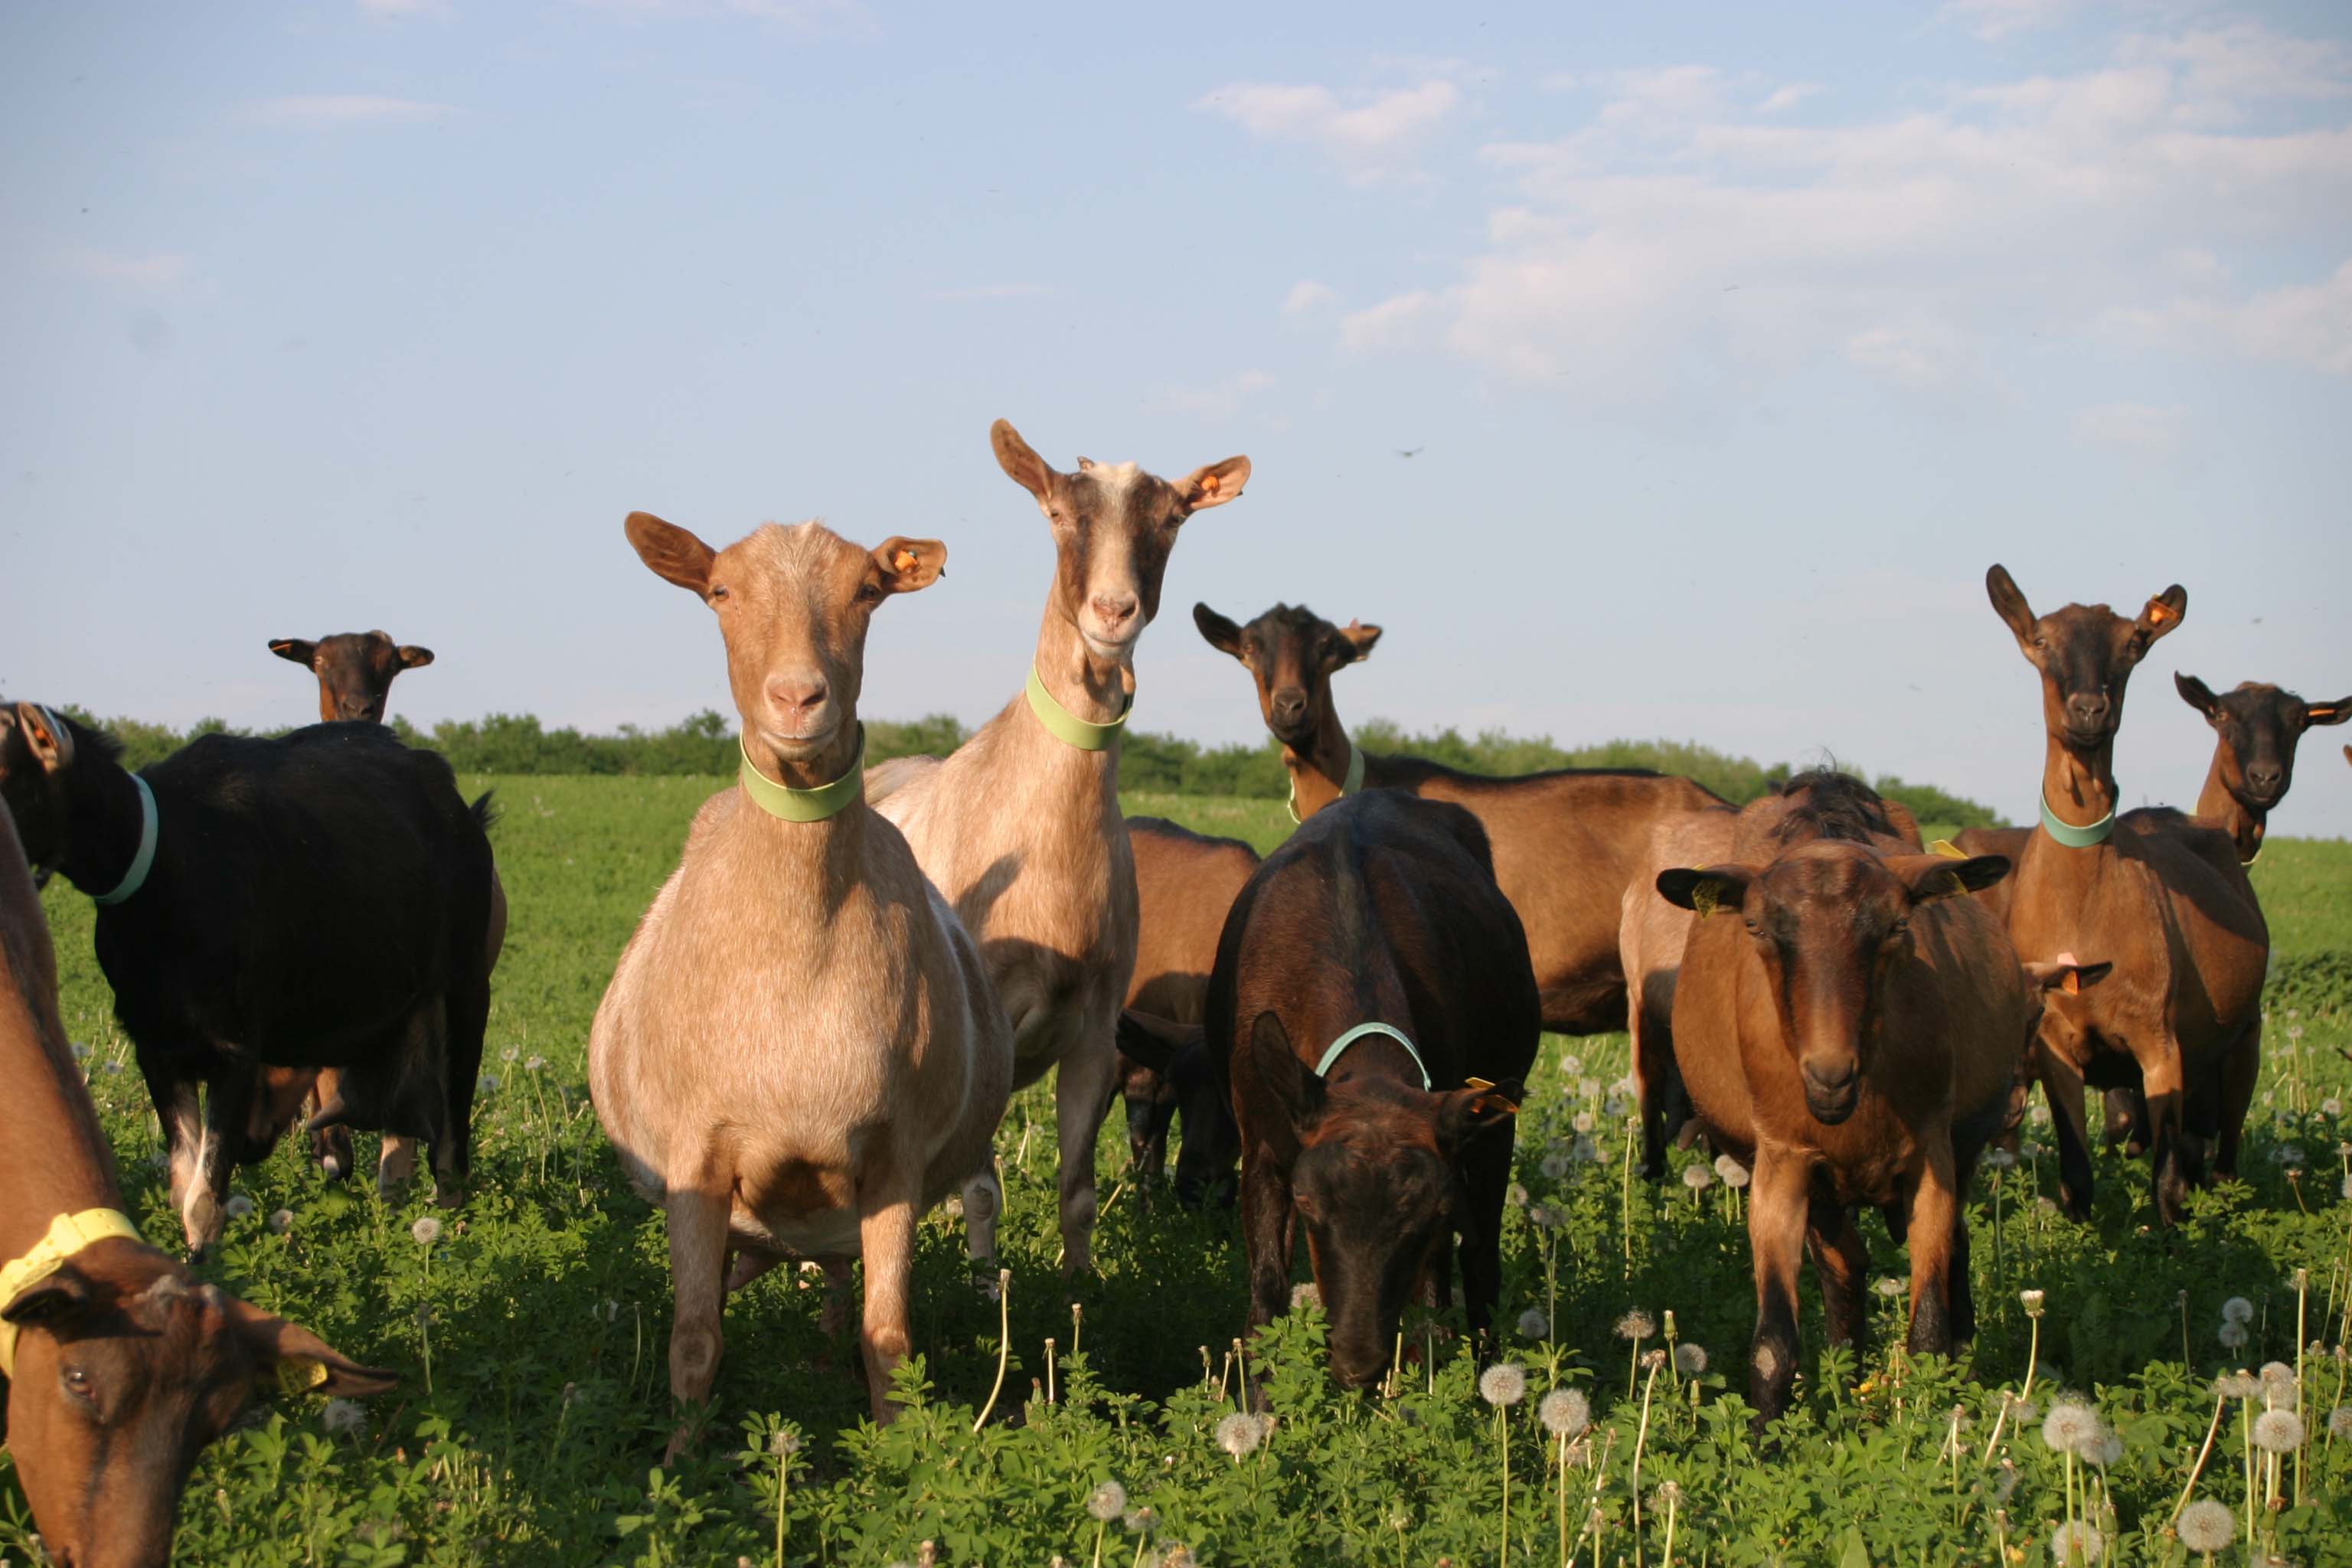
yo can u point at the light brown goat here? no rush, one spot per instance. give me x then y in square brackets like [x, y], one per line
[799, 1052]
[1021, 828]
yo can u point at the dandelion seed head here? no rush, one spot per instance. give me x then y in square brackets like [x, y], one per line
[2276, 1371]
[2287, 1154]
[1505, 1382]
[1690, 1359]
[2207, 1526]
[426, 1231]
[1239, 1434]
[1306, 1295]
[511, 1053]
[1697, 1178]
[1571, 1067]
[239, 1205]
[2236, 1386]
[1582, 1122]
[2232, 1335]
[1534, 1325]
[488, 1082]
[282, 1221]
[342, 1416]
[2278, 1431]
[2237, 1309]
[2069, 1426]
[1668, 1494]
[2001, 1160]
[783, 1442]
[1588, 1088]
[1733, 1173]
[2331, 1106]
[535, 1064]
[1889, 1286]
[1516, 1197]
[2076, 1542]
[1636, 1325]
[1139, 1520]
[1107, 1501]
[2106, 1450]
[2031, 1300]
[1554, 1167]
[1564, 1412]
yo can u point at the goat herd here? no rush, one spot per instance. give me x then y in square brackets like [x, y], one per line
[812, 1037]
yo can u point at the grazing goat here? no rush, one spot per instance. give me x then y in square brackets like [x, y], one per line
[1567, 843]
[1852, 1035]
[799, 1052]
[1020, 826]
[117, 1366]
[1185, 884]
[319, 900]
[355, 672]
[1370, 1018]
[2161, 897]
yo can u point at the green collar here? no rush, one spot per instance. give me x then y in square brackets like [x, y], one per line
[788, 804]
[144, 860]
[1352, 784]
[2074, 838]
[1323, 1068]
[1068, 726]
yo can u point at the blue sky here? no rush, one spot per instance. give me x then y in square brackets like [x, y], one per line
[1738, 341]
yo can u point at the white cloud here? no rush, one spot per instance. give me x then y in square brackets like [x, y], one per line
[2131, 426]
[332, 111]
[1678, 244]
[1783, 99]
[1373, 141]
[154, 270]
[994, 291]
[2003, 19]
[1222, 401]
[1308, 296]
[2307, 324]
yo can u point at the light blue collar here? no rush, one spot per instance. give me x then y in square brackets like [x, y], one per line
[1323, 1068]
[142, 862]
[1351, 783]
[2074, 838]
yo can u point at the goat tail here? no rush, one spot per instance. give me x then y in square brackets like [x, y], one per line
[486, 812]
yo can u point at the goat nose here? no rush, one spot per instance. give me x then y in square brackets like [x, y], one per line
[2262, 778]
[1831, 1079]
[1289, 702]
[1117, 609]
[789, 692]
[2088, 708]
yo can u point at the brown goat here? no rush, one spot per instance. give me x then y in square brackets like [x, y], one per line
[2256, 727]
[1566, 842]
[1652, 932]
[1852, 1035]
[116, 1364]
[799, 1053]
[355, 670]
[1185, 884]
[1020, 827]
[2160, 897]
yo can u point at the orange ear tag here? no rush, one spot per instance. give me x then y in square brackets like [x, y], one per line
[904, 560]
[2159, 612]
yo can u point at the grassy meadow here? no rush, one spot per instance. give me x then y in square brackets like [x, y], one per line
[532, 1333]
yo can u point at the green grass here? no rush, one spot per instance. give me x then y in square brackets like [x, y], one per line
[546, 1304]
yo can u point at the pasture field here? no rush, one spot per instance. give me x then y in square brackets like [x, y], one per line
[531, 1333]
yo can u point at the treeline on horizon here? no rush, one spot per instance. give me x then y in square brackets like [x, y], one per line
[705, 744]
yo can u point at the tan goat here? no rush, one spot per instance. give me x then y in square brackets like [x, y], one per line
[1021, 827]
[799, 1052]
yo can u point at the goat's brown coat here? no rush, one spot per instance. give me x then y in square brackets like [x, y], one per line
[1185, 884]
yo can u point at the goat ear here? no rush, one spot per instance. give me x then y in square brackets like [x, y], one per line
[1932, 877]
[1216, 631]
[2163, 613]
[2334, 713]
[1704, 892]
[1153, 1041]
[295, 650]
[411, 657]
[674, 554]
[1298, 1087]
[1361, 638]
[1021, 462]
[1214, 485]
[50, 742]
[2009, 603]
[908, 565]
[53, 1302]
[1464, 1115]
[297, 1360]
[2196, 693]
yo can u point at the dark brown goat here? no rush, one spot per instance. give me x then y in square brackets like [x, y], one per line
[355, 670]
[2256, 726]
[319, 900]
[2158, 896]
[1185, 884]
[1566, 842]
[117, 1365]
[1383, 911]
[1852, 1035]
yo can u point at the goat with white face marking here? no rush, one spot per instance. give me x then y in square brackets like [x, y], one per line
[800, 1051]
[1021, 827]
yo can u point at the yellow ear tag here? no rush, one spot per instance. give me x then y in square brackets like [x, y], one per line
[1704, 899]
[300, 1374]
[1948, 850]
[1951, 885]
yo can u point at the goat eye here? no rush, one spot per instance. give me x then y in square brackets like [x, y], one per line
[718, 592]
[77, 1383]
[867, 592]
